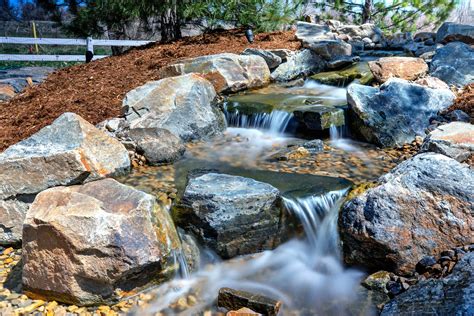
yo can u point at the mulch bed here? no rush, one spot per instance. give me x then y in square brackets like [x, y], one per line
[465, 101]
[95, 90]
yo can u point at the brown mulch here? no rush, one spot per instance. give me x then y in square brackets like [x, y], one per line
[465, 101]
[95, 90]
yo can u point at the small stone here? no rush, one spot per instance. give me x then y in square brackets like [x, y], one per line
[423, 265]
[72, 308]
[8, 251]
[233, 299]
[243, 312]
[32, 307]
[394, 288]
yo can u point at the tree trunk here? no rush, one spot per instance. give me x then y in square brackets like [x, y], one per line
[367, 11]
[170, 23]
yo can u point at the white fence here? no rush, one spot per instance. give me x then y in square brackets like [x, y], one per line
[89, 43]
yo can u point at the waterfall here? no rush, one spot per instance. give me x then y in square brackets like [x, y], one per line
[305, 274]
[276, 121]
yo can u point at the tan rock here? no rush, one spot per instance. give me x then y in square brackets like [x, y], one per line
[432, 82]
[6, 92]
[83, 243]
[408, 68]
[227, 72]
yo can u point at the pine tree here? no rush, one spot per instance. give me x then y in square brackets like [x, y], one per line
[396, 15]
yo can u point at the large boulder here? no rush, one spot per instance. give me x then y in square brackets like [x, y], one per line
[451, 295]
[408, 68]
[395, 113]
[453, 64]
[420, 208]
[303, 63]
[82, 244]
[69, 151]
[272, 59]
[309, 33]
[227, 72]
[455, 140]
[331, 49]
[230, 214]
[184, 105]
[453, 32]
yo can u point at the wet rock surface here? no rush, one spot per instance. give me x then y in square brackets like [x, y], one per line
[453, 64]
[319, 118]
[232, 215]
[452, 295]
[412, 213]
[395, 113]
[183, 105]
[227, 72]
[107, 237]
[408, 68]
[455, 140]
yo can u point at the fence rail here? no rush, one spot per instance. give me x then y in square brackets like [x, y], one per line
[89, 42]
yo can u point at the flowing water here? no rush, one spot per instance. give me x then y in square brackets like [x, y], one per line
[306, 273]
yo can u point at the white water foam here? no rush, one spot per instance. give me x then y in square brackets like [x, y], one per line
[305, 274]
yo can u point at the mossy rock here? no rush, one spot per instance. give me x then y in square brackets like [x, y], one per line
[358, 72]
[359, 189]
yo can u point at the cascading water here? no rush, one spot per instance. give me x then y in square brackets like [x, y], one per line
[305, 274]
[275, 122]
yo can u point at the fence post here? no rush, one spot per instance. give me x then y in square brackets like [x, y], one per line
[90, 49]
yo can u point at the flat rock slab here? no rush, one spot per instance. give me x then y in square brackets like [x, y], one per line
[452, 295]
[183, 105]
[420, 208]
[408, 68]
[230, 214]
[395, 113]
[453, 64]
[82, 243]
[453, 32]
[234, 299]
[227, 72]
[455, 140]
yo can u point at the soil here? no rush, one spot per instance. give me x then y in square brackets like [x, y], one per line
[465, 101]
[95, 90]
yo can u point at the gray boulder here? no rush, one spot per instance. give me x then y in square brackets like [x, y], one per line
[303, 63]
[230, 214]
[451, 295]
[331, 49]
[455, 140]
[309, 33]
[283, 53]
[157, 145]
[272, 60]
[83, 243]
[227, 72]
[396, 113]
[453, 64]
[183, 105]
[454, 32]
[420, 208]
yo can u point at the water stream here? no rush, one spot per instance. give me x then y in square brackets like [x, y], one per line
[306, 273]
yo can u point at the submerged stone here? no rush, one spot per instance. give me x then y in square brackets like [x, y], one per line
[83, 243]
[359, 73]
